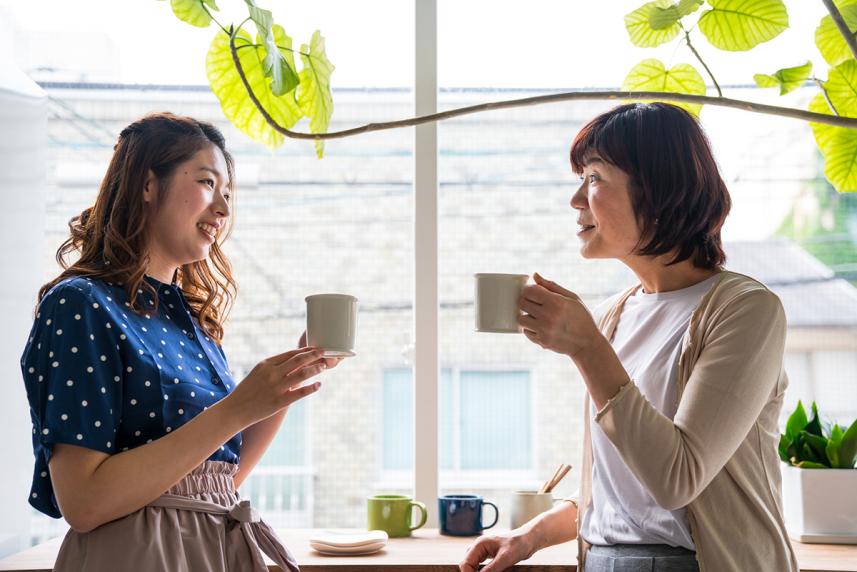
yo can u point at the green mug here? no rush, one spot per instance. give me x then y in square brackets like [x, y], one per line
[393, 514]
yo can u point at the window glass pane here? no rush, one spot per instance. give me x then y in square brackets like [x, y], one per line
[398, 420]
[495, 420]
[289, 447]
[446, 448]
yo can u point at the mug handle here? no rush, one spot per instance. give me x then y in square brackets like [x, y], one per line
[423, 511]
[496, 514]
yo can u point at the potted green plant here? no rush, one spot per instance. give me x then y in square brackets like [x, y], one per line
[819, 479]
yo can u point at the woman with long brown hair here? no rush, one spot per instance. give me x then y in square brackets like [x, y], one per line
[683, 372]
[141, 436]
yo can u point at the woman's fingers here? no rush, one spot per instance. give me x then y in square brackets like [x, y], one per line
[282, 358]
[299, 393]
[534, 293]
[533, 337]
[552, 286]
[530, 307]
[485, 547]
[300, 358]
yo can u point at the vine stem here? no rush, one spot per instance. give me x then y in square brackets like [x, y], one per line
[838, 121]
[695, 53]
[820, 85]
[850, 39]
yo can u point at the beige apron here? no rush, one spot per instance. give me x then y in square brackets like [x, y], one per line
[199, 524]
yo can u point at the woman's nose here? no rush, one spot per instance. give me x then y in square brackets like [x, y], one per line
[578, 199]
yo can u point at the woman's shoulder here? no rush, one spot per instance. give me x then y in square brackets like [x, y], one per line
[740, 294]
[733, 285]
[77, 291]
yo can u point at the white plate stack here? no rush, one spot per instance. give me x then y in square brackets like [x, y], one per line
[348, 543]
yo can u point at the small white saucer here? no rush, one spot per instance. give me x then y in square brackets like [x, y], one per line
[349, 540]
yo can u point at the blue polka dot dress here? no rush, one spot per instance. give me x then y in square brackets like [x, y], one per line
[99, 375]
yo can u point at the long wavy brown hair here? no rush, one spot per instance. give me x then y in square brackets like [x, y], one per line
[111, 235]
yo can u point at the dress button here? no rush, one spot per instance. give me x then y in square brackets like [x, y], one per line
[190, 335]
[215, 381]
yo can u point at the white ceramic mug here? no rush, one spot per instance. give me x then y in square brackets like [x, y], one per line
[526, 505]
[331, 323]
[497, 302]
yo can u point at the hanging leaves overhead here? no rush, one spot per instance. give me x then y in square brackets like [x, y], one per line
[652, 75]
[267, 62]
[739, 25]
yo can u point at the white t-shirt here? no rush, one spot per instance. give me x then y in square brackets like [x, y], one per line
[648, 342]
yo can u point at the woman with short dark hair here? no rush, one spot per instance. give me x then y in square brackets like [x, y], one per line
[683, 372]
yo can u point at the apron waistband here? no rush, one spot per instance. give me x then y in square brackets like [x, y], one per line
[249, 528]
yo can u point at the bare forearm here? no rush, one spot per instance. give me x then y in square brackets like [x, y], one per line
[602, 371]
[255, 440]
[556, 526]
[125, 482]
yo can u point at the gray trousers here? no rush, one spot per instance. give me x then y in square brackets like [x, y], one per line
[640, 558]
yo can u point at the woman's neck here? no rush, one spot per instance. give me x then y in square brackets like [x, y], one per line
[656, 276]
[160, 270]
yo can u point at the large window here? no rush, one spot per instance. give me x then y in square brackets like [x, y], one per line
[508, 411]
[485, 421]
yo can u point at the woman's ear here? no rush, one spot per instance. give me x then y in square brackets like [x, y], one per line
[150, 187]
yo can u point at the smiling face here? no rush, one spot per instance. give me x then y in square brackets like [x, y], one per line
[607, 225]
[188, 216]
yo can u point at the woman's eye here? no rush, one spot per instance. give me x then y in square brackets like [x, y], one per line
[227, 196]
[593, 177]
[208, 182]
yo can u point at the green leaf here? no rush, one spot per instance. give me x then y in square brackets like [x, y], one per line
[814, 425]
[787, 79]
[796, 422]
[314, 90]
[236, 104]
[833, 444]
[663, 18]
[687, 7]
[818, 446]
[640, 29]
[829, 41]
[811, 465]
[192, 12]
[848, 448]
[276, 65]
[651, 75]
[739, 25]
[838, 145]
[784, 448]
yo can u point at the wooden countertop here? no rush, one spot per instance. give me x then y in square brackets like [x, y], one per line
[428, 551]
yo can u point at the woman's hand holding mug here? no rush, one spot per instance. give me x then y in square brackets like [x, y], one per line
[556, 318]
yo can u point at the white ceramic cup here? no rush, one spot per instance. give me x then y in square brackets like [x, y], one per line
[497, 302]
[526, 505]
[331, 323]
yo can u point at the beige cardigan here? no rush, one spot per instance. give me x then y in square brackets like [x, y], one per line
[718, 457]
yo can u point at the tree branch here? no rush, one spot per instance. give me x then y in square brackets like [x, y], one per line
[850, 39]
[695, 53]
[849, 122]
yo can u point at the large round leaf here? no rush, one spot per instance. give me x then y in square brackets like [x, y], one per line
[191, 12]
[838, 146]
[639, 25]
[314, 90]
[829, 40]
[651, 75]
[841, 87]
[236, 104]
[739, 25]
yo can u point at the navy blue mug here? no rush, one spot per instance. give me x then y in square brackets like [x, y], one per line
[461, 515]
